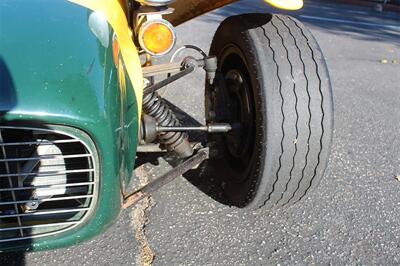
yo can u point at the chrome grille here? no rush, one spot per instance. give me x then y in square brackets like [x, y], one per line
[47, 182]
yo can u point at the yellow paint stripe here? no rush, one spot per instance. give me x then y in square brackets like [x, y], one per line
[286, 4]
[113, 10]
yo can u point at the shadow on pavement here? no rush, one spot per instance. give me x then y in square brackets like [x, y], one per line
[13, 259]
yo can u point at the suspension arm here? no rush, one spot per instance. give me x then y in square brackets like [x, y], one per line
[153, 186]
[211, 128]
[165, 82]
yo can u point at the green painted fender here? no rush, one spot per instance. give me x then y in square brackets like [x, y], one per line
[57, 68]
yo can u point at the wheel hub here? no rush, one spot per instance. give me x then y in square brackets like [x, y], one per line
[232, 102]
[239, 108]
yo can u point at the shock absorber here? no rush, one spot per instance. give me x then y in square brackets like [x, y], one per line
[154, 106]
[158, 110]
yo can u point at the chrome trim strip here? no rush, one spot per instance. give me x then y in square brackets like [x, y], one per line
[3, 150]
[50, 173]
[46, 157]
[44, 142]
[46, 200]
[37, 226]
[44, 212]
[48, 186]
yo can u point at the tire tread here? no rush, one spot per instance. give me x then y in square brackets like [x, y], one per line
[289, 189]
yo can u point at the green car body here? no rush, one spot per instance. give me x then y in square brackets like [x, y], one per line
[56, 72]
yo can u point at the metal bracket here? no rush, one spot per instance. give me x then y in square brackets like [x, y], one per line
[149, 13]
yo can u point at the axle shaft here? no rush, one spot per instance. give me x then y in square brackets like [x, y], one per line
[211, 128]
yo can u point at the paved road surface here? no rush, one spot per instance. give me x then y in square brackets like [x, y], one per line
[352, 218]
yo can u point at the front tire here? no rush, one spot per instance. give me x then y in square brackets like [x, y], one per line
[273, 87]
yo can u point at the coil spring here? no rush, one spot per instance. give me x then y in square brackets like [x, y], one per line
[154, 106]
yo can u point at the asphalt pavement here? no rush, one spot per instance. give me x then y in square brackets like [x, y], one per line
[353, 217]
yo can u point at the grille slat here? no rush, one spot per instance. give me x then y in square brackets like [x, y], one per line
[37, 226]
[48, 186]
[7, 168]
[42, 142]
[45, 157]
[52, 173]
[48, 182]
[58, 211]
[48, 200]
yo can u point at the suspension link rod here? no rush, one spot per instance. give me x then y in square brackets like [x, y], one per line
[211, 128]
[165, 82]
[154, 70]
[153, 186]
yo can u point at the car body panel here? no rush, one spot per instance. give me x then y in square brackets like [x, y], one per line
[56, 71]
[188, 9]
[115, 13]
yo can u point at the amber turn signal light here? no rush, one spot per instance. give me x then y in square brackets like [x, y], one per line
[157, 37]
[115, 46]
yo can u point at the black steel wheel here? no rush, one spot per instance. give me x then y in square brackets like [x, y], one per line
[273, 87]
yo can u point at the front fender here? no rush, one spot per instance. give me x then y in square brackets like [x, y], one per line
[187, 9]
[58, 72]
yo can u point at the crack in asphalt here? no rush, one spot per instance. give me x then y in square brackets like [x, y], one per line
[140, 219]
